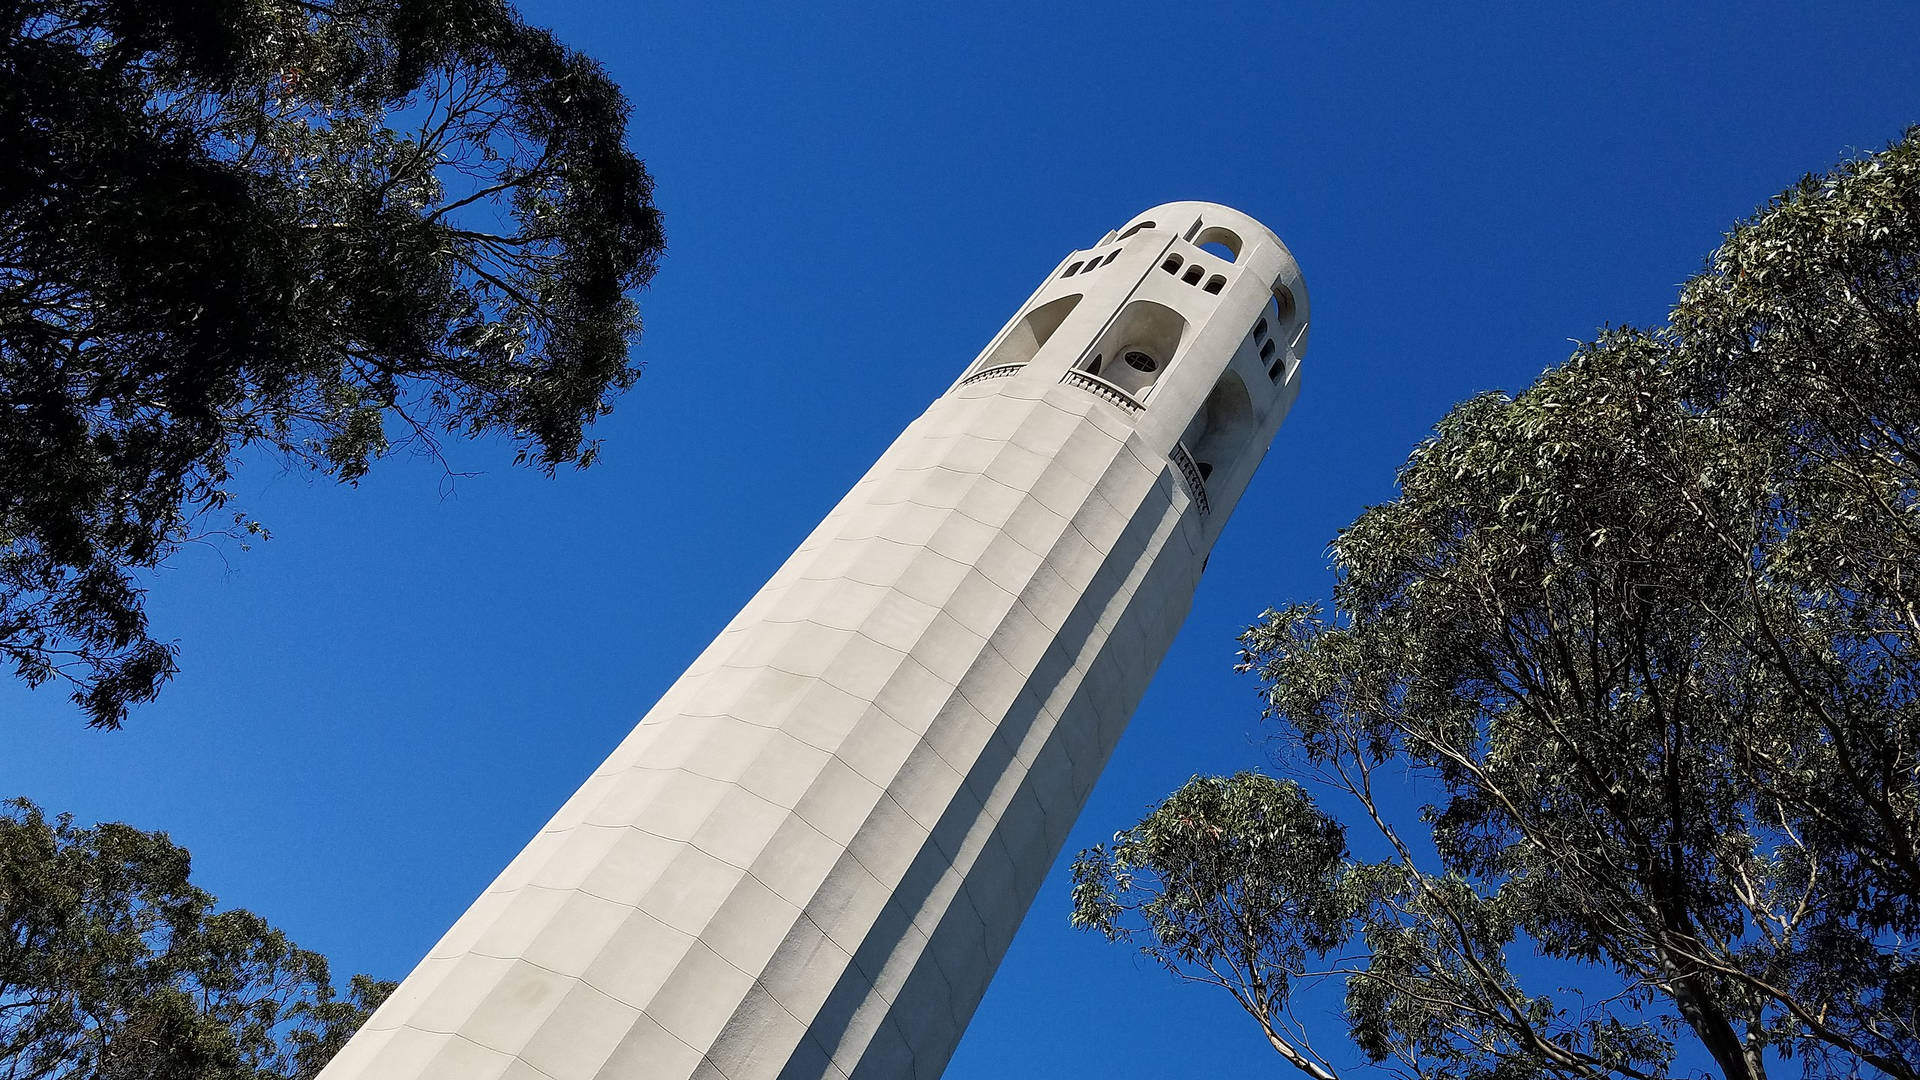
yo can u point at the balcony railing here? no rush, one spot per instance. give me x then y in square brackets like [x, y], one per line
[1102, 388]
[1196, 484]
[984, 374]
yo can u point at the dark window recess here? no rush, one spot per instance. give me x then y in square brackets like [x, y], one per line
[1093, 365]
[1206, 471]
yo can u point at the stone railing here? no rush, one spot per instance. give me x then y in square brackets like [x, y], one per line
[1102, 388]
[1000, 372]
[1196, 485]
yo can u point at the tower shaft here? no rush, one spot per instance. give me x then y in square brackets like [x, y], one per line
[811, 854]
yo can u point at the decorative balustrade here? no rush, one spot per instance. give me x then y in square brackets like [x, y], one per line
[1196, 484]
[1102, 388]
[1000, 372]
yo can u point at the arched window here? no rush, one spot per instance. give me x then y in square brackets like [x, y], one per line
[1216, 283]
[1218, 241]
[1218, 435]
[1136, 228]
[1192, 276]
[1284, 299]
[1114, 255]
[1172, 265]
[1072, 270]
[1143, 340]
[1260, 330]
[1276, 361]
[1025, 337]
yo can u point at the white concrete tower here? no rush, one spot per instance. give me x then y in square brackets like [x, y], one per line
[809, 857]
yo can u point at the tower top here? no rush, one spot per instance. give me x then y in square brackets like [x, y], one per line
[1229, 226]
[1190, 320]
[1250, 244]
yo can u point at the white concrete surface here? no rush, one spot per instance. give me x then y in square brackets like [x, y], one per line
[808, 859]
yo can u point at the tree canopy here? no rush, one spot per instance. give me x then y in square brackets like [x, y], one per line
[1645, 638]
[115, 967]
[316, 228]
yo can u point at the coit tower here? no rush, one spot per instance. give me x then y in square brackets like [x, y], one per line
[809, 857]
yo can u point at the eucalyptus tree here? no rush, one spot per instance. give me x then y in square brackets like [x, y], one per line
[316, 228]
[115, 966]
[1644, 638]
[1234, 882]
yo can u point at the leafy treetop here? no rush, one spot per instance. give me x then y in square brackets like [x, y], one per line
[318, 227]
[1646, 637]
[115, 967]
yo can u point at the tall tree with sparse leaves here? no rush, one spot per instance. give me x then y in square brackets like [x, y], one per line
[114, 966]
[1645, 638]
[314, 228]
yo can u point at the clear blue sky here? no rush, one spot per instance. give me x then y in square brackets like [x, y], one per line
[380, 705]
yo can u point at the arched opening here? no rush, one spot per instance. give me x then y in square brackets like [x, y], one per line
[1283, 297]
[1260, 330]
[1092, 367]
[1110, 257]
[1216, 283]
[1173, 264]
[1216, 240]
[1072, 270]
[1142, 341]
[1218, 434]
[1192, 276]
[1136, 228]
[1019, 343]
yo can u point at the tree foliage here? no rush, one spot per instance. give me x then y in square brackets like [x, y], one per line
[316, 227]
[1234, 881]
[1647, 636]
[115, 967]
